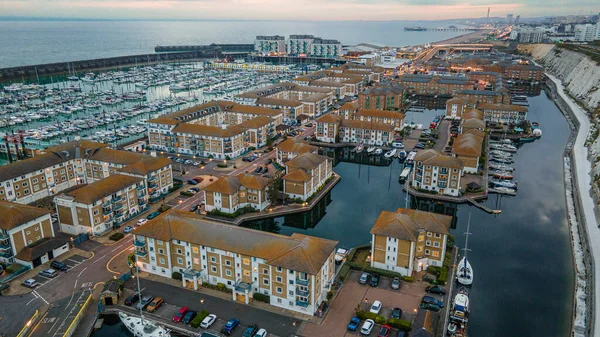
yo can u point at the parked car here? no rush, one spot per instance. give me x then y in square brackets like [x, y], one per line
[396, 283]
[188, 162]
[354, 323]
[367, 327]
[258, 169]
[30, 283]
[189, 316]
[436, 289]
[59, 265]
[198, 179]
[268, 161]
[195, 189]
[261, 333]
[143, 220]
[420, 146]
[194, 208]
[384, 331]
[376, 307]
[50, 273]
[132, 299]
[208, 321]
[128, 229]
[192, 182]
[264, 170]
[153, 215]
[230, 326]
[401, 333]
[374, 280]
[196, 163]
[429, 306]
[396, 313]
[250, 331]
[144, 302]
[179, 315]
[156, 303]
[432, 300]
[364, 278]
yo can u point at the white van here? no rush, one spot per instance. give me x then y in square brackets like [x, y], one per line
[398, 145]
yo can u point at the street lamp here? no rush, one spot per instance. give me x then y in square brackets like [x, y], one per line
[366, 303]
[202, 304]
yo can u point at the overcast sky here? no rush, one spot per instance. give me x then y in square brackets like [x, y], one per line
[293, 9]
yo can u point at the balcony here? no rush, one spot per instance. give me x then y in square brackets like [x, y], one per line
[6, 254]
[152, 185]
[151, 179]
[106, 203]
[302, 282]
[141, 253]
[3, 236]
[139, 243]
[4, 247]
[106, 211]
[141, 188]
[117, 207]
[302, 303]
[303, 293]
[116, 199]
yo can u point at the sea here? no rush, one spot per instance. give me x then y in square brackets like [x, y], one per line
[38, 42]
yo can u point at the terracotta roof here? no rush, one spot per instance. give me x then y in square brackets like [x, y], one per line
[14, 215]
[307, 88]
[205, 130]
[425, 323]
[147, 165]
[225, 185]
[253, 182]
[327, 84]
[298, 252]
[296, 146]
[195, 108]
[329, 118]
[501, 107]
[405, 224]
[473, 113]
[256, 122]
[22, 167]
[473, 123]
[434, 158]
[356, 124]
[115, 156]
[42, 247]
[384, 89]
[307, 161]
[278, 102]
[349, 106]
[380, 113]
[95, 191]
[474, 132]
[314, 98]
[255, 110]
[163, 120]
[467, 145]
[298, 175]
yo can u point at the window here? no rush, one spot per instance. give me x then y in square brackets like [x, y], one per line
[246, 273]
[436, 244]
[265, 271]
[437, 235]
[427, 251]
[291, 303]
[196, 260]
[279, 269]
[436, 254]
[96, 212]
[179, 251]
[179, 260]
[161, 251]
[279, 279]
[195, 249]
[213, 259]
[37, 228]
[279, 300]
[227, 272]
[421, 238]
[419, 249]
[279, 290]
[428, 234]
[427, 243]
[291, 292]
[246, 261]
[162, 260]
[266, 281]
[228, 263]
[213, 268]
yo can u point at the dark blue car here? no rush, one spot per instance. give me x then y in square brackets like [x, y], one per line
[354, 323]
[189, 316]
[432, 300]
[230, 326]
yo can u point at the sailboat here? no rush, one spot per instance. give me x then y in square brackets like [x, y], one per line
[139, 326]
[464, 275]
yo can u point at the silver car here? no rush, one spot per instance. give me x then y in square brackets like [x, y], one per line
[144, 302]
[49, 273]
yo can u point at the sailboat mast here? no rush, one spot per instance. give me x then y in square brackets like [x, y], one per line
[137, 276]
[467, 236]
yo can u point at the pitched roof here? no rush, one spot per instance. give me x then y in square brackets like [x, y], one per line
[357, 124]
[297, 175]
[467, 144]
[205, 130]
[313, 98]
[29, 165]
[327, 84]
[163, 120]
[297, 252]
[473, 113]
[14, 214]
[256, 122]
[380, 113]
[146, 165]
[41, 247]
[307, 161]
[278, 102]
[246, 109]
[425, 323]
[253, 182]
[502, 107]
[349, 106]
[95, 191]
[296, 146]
[225, 185]
[434, 158]
[405, 224]
[329, 118]
[384, 89]
[473, 123]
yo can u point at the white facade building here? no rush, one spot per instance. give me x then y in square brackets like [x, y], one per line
[269, 44]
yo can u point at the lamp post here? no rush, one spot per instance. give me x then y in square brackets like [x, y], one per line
[366, 303]
[202, 304]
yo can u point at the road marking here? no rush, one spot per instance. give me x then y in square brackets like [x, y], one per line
[100, 258]
[75, 286]
[73, 294]
[33, 299]
[48, 320]
[87, 285]
[114, 257]
[81, 272]
[40, 296]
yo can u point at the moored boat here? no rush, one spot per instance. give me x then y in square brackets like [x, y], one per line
[359, 148]
[377, 152]
[371, 149]
[464, 271]
[141, 327]
[391, 153]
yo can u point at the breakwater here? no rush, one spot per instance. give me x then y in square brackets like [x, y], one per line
[296, 60]
[78, 67]
[226, 48]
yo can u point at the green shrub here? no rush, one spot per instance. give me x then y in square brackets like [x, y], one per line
[329, 295]
[221, 286]
[366, 315]
[222, 165]
[117, 236]
[262, 297]
[399, 324]
[164, 208]
[176, 276]
[195, 323]
[344, 272]
[443, 276]
[434, 270]
[131, 259]
[382, 272]
[353, 265]
[13, 268]
[380, 319]
[408, 279]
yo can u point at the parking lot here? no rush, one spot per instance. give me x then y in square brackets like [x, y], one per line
[71, 262]
[354, 294]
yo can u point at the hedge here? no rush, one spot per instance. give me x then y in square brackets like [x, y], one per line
[399, 324]
[353, 251]
[408, 279]
[443, 276]
[434, 270]
[176, 276]
[13, 268]
[222, 165]
[369, 315]
[117, 236]
[164, 208]
[382, 272]
[221, 286]
[344, 272]
[195, 323]
[262, 297]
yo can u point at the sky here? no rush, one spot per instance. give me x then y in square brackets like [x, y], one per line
[382, 10]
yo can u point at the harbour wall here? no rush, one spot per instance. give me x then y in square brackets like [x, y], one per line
[63, 68]
[583, 319]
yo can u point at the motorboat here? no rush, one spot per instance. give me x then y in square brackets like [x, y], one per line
[505, 190]
[371, 149]
[340, 255]
[377, 152]
[404, 175]
[503, 175]
[401, 155]
[359, 148]
[464, 274]
[503, 183]
[142, 327]
[460, 306]
[391, 153]
[501, 167]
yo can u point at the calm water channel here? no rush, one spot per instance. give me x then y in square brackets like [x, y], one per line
[521, 258]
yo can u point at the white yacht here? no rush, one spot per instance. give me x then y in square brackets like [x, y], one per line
[141, 327]
[464, 274]
[391, 153]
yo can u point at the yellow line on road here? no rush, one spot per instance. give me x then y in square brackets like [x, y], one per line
[99, 283]
[109, 261]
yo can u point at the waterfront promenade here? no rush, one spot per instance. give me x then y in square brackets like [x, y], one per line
[583, 181]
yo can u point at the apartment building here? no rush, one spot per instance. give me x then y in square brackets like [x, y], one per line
[67, 165]
[409, 240]
[325, 48]
[435, 85]
[269, 45]
[300, 44]
[385, 96]
[366, 132]
[27, 235]
[437, 172]
[456, 107]
[291, 148]
[305, 174]
[352, 84]
[295, 272]
[467, 147]
[524, 72]
[97, 208]
[369, 73]
[503, 113]
[290, 108]
[328, 128]
[485, 96]
[231, 193]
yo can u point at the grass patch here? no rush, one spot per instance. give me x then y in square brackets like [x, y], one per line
[117, 236]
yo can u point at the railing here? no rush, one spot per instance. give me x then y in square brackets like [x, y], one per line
[302, 282]
[3, 236]
[117, 207]
[152, 185]
[302, 303]
[141, 253]
[139, 243]
[106, 204]
[117, 199]
[7, 255]
[106, 211]
[303, 293]
[151, 179]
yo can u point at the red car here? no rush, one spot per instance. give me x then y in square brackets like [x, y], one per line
[179, 315]
[384, 331]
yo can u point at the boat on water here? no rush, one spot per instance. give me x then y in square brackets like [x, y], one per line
[501, 167]
[371, 149]
[401, 155]
[404, 175]
[390, 154]
[359, 148]
[464, 273]
[503, 183]
[503, 175]
[410, 159]
[505, 190]
[459, 315]
[141, 327]
[340, 255]
[377, 152]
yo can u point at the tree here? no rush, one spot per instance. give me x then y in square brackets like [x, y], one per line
[273, 190]
[269, 141]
